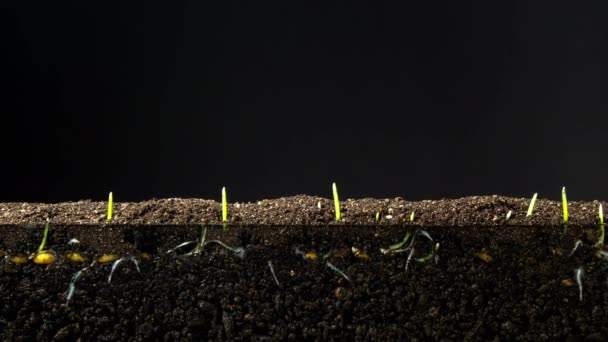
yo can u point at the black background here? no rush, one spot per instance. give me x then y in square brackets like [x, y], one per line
[426, 100]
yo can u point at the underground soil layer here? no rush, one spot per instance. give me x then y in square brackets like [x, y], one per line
[459, 272]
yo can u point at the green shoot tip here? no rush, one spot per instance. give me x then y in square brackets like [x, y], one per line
[224, 205]
[336, 202]
[532, 202]
[565, 205]
[110, 206]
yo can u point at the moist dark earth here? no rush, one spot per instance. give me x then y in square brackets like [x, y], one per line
[490, 279]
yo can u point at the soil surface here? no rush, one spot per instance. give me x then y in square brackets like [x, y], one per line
[286, 270]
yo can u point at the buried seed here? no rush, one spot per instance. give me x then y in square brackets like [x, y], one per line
[18, 259]
[106, 258]
[45, 257]
[76, 257]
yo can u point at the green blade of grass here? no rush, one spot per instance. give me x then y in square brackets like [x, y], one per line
[565, 205]
[336, 201]
[601, 214]
[110, 206]
[532, 202]
[224, 205]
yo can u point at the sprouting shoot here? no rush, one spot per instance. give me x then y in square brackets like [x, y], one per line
[110, 206]
[336, 201]
[601, 215]
[224, 206]
[532, 202]
[565, 205]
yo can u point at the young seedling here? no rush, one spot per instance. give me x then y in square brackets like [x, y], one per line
[565, 205]
[110, 206]
[601, 215]
[565, 209]
[224, 207]
[336, 202]
[44, 257]
[531, 207]
[579, 280]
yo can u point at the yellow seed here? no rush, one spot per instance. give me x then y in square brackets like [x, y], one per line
[45, 257]
[107, 258]
[145, 255]
[311, 255]
[568, 282]
[18, 259]
[557, 251]
[292, 273]
[76, 257]
[487, 258]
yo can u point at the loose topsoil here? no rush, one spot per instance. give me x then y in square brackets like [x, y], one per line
[289, 271]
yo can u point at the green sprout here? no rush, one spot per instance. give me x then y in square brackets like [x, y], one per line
[46, 233]
[224, 207]
[336, 201]
[508, 217]
[430, 255]
[601, 214]
[565, 205]
[378, 215]
[110, 206]
[532, 202]
[397, 246]
[412, 216]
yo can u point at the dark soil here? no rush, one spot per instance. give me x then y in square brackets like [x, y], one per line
[527, 291]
